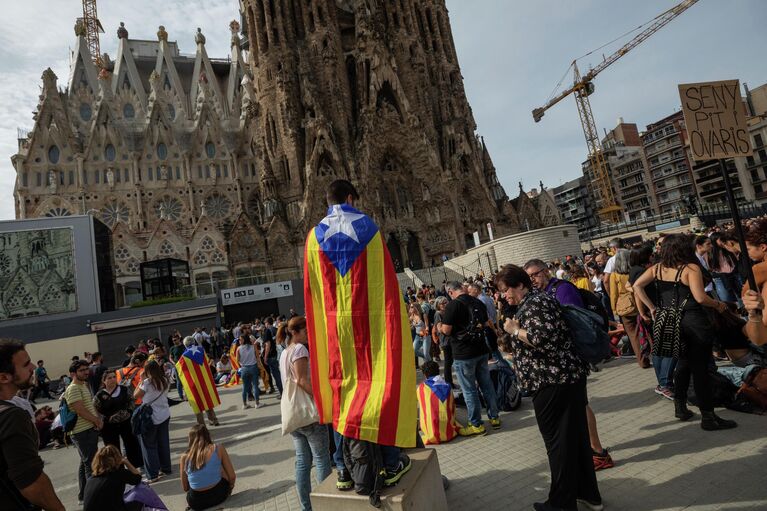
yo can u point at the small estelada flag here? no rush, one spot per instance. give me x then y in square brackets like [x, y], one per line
[235, 360]
[194, 370]
[437, 412]
[363, 375]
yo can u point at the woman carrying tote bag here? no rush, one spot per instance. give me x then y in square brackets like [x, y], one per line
[299, 413]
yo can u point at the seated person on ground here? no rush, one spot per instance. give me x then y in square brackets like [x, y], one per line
[105, 489]
[207, 474]
[437, 408]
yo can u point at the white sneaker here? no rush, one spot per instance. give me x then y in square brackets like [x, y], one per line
[589, 506]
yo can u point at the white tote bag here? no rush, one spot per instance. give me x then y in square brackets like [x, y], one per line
[297, 407]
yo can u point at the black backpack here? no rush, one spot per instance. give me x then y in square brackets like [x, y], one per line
[475, 330]
[364, 461]
[591, 301]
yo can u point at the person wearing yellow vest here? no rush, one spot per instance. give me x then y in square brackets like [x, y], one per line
[85, 434]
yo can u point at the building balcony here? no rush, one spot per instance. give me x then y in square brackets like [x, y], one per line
[633, 194]
[672, 159]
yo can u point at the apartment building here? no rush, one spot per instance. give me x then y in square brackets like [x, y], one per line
[668, 164]
[575, 204]
[629, 171]
[753, 169]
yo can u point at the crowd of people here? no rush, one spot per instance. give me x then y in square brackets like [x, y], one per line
[677, 304]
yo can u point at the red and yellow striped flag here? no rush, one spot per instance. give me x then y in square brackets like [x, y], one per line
[194, 370]
[436, 412]
[235, 360]
[362, 359]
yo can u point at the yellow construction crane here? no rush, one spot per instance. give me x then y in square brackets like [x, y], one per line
[583, 87]
[92, 26]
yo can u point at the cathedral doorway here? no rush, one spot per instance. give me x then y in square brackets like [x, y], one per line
[396, 254]
[415, 261]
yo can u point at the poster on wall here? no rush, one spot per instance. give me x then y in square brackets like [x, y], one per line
[37, 273]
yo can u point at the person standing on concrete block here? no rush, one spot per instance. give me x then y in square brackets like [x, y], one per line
[363, 376]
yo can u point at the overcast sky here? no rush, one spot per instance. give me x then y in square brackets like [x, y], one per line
[512, 54]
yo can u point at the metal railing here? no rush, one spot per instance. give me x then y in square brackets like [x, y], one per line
[204, 288]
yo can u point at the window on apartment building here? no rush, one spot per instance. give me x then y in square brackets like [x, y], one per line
[763, 156]
[758, 142]
[754, 175]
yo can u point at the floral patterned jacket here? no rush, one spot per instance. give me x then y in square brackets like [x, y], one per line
[549, 358]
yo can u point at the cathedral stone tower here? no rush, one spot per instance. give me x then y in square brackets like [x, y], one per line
[371, 91]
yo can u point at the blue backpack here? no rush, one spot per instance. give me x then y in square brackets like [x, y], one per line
[590, 339]
[68, 416]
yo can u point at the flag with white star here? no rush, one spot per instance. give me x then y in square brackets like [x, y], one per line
[363, 375]
[193, 369]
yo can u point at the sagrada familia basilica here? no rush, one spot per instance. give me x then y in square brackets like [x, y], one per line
[224, 162]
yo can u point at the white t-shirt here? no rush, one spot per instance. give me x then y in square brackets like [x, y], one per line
[296, 352]
[158, 400]
[560, 274]
[246, 354]
[597, 284]
[610, 265]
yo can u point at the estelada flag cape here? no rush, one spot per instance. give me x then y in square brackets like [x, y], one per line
[194, 371]
[436, 412]
[361, 350]
[235, 360]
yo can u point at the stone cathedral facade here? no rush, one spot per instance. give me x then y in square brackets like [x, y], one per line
[224, 162]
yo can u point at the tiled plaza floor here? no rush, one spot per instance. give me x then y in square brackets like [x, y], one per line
[661, 463]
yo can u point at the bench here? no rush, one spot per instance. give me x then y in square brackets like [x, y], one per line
[418, 490]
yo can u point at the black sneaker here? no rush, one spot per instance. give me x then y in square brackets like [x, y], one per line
[393, 476]
[344, 482]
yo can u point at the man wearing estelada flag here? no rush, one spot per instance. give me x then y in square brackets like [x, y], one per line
[361, 350]
[193, 369]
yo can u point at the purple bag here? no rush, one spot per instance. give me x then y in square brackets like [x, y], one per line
[145, 495]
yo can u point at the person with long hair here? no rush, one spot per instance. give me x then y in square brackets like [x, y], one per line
[115, 404]
[679, 280]
[444, 340]
[155, 443]
[623, 304]
[422, 341]
[106, 487]
[580, 278]
[249, 370]
[548, 367]
[311, 442]
[207, 473]
[724, 264]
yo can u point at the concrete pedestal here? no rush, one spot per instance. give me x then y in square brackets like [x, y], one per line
[418, 490]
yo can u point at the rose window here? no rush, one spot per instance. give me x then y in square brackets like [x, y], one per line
[217, 257]
[132, 267]
[207, 244]
[121, 253]
[200, 259]
[5, 264]
[167, 248]
[218, 206]
[114, 212]
[169, 208]
[58, 212]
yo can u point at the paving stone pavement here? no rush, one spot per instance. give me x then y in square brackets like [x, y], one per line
[661, 463]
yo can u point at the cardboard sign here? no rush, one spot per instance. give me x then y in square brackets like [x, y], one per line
[716, 120]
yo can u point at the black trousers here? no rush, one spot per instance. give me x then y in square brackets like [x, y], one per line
[696, 334]
[112, 433]
[560, 411]
[199, 500]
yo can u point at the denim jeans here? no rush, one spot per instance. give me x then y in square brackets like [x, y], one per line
[422, 348]
[155, 445]
[664, 370]
[338, 455]
[179, 385]
[470, 372]
[727, 287]
[250, 382]
[273, 366]
[311, 444]
[87, 443]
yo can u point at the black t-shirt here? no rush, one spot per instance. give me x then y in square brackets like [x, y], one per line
[268, 337]
[20, 465]
[106, 491]
[458, 315]
[95, 372]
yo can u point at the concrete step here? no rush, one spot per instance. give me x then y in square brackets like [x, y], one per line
[419, 490]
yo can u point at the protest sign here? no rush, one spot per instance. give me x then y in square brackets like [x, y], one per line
[716, 120]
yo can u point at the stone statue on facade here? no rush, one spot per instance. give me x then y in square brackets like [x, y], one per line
[162, 35]
[111, 177]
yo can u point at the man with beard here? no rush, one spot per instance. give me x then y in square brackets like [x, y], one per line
[23, 484]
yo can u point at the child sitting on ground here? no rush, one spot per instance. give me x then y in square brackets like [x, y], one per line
[437, 408]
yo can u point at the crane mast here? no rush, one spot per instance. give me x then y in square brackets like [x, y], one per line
[583, 87]
[92, 26]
